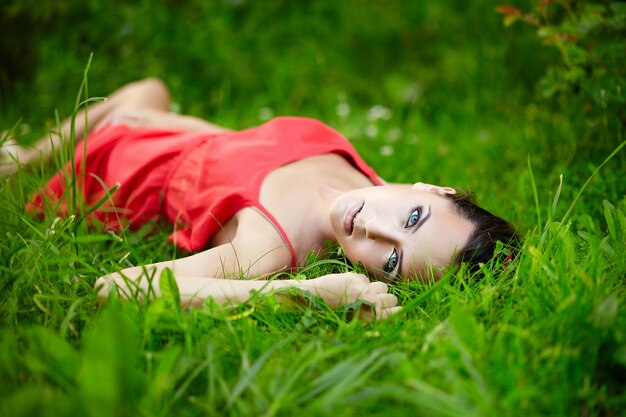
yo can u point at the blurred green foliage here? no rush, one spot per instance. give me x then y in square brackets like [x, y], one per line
[449, 72]
[295, 55]
[590, 77]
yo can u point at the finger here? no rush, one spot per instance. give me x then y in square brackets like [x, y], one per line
[378, 287]
[367, 313]
[362, 278]
[386, 301]
[102, 287]
[387, 312]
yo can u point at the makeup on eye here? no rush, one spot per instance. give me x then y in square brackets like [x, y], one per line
[414, 217]
[392, 262]
[400, 231]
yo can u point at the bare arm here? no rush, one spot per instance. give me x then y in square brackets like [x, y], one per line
[196, 285]
[336, 290]
[140, 103]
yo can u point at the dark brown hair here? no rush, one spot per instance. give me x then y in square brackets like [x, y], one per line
[489, 229]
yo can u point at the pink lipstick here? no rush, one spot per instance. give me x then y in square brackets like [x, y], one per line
[350, 215]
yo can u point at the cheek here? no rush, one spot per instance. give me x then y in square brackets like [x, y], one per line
[425, 260]
[370, 254]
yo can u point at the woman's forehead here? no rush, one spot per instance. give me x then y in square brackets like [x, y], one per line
[436, 243]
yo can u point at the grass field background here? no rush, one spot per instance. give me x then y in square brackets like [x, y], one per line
[437, 91]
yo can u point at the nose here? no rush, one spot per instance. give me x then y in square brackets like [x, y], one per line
[377, 229]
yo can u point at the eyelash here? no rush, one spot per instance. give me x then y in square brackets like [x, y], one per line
[418, 211]
[389, 268]
[392, 262]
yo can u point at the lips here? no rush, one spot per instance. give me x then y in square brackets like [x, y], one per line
[348, 218]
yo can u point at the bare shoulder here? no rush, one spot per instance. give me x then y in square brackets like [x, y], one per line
[248, 245]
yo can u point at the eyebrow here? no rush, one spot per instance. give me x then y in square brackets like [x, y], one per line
[399, 273]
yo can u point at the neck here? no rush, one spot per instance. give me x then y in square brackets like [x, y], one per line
[326, 194]
[326, 197]
[321, 179]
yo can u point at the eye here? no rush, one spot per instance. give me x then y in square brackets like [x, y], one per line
[392, 262]
[414, 217]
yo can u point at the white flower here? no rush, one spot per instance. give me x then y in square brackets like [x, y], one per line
[377, 112]
[386, 150]
[371, 131]
[265, 113]
[343, 109]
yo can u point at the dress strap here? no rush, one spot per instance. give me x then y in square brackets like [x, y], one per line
[281, 231]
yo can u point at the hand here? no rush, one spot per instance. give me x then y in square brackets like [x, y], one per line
[106, 285]
[116, 283]
[342, 289]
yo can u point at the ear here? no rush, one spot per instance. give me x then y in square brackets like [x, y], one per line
[420, 186]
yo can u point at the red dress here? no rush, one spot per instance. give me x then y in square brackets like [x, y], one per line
[196, 180]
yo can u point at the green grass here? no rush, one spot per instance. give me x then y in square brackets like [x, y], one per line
[544, 336]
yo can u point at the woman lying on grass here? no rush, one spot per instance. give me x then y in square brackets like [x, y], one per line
[256, 202]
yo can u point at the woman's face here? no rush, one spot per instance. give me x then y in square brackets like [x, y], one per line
[399, 230]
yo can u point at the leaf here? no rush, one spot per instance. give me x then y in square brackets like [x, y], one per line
[52, 355]
[107, 195]
[605, 312]
[510, 19]
[508, 10]
[575, 54]
[531, 19]
[622, 222]
[545, 32]
[111, 379]
[166, 376]
[169, 288]
[153, 314]
[248, 375]
[466, 327]
[92, 238]
[619, 9]
[343, 377]
[620, 355]
[608, 215]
